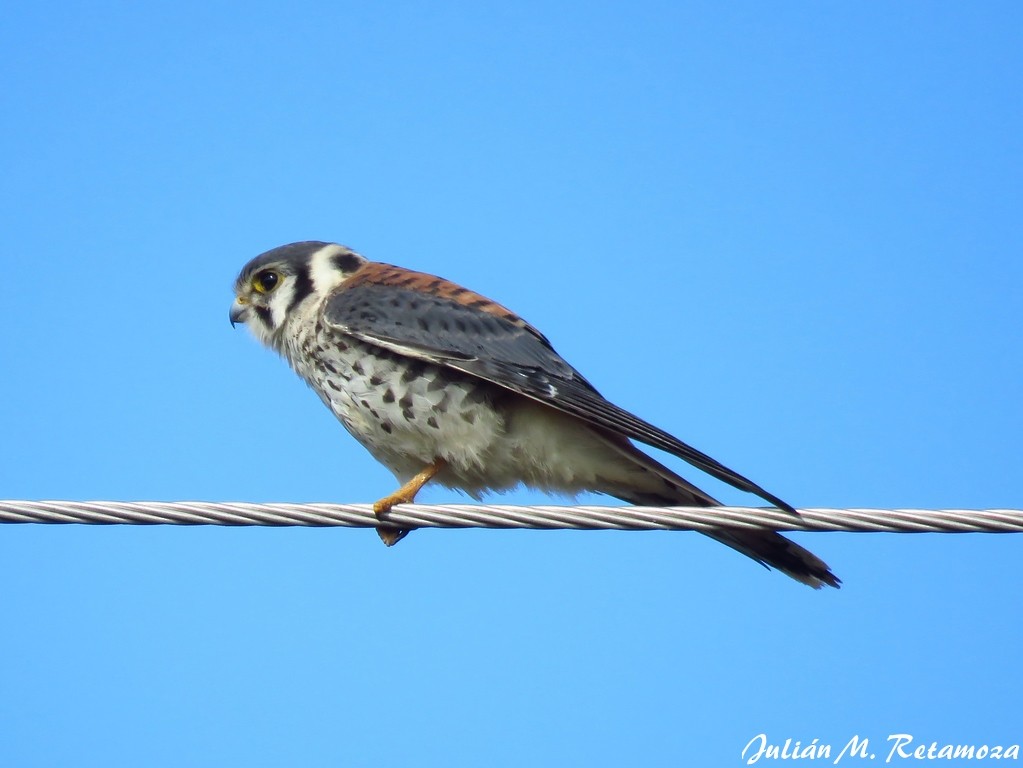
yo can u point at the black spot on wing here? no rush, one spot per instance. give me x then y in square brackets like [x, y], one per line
[439, 326]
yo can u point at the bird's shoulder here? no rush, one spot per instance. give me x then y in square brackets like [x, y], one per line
[378, 291]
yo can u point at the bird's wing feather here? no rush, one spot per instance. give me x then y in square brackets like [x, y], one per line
[487, 341]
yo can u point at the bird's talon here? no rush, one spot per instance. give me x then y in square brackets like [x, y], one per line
[391, 536]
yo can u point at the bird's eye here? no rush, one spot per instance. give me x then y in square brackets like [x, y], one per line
[265, 281]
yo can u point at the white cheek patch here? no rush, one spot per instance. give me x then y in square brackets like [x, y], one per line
[322, 270]
[280, 300]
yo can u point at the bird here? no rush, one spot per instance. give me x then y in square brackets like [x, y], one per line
[441, 384]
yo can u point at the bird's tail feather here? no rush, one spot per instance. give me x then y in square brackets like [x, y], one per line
[769, 548]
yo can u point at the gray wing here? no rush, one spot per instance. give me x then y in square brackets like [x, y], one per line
[467, 338]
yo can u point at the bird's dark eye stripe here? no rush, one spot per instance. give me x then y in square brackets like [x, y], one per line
[303, 287]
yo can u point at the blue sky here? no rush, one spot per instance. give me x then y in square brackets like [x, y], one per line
[789, 233]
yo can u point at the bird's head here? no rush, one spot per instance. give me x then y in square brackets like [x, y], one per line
[277, 286]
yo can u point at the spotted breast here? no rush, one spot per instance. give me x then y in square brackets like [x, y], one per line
[407, 413]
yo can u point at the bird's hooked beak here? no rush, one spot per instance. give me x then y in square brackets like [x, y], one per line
[239, 310]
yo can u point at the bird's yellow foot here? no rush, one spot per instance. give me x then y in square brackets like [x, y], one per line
[404, 495]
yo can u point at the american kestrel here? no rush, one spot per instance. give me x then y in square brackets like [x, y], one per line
[440, 383]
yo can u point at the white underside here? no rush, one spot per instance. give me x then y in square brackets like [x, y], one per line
[534, 445]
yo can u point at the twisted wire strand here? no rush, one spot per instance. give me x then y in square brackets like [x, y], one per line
[509, 516]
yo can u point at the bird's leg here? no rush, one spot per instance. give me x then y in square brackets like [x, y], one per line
[407, 493]
[404, 495]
